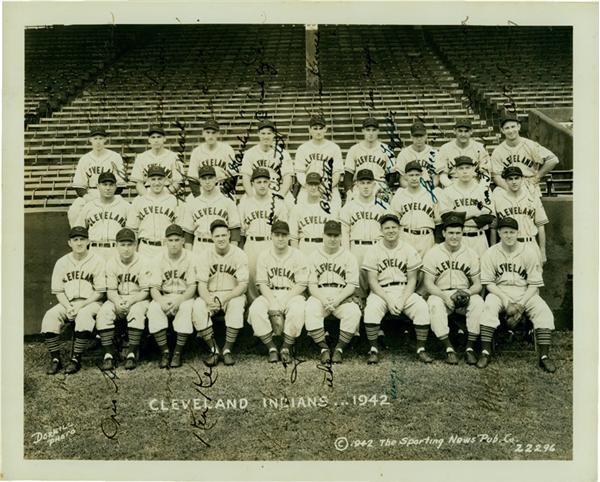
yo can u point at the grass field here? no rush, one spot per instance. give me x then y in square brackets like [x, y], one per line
[397, 410]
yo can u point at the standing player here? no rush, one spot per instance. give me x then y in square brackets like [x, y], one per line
[468, 195]
[519, 203]
[201, 211]
[332, 281]
[222, 277]
[172, 288]
[104, 216]
[463, 145]
[307, 219]
[282, 277]
[212, 152]
[512, 274]
[321, 156]
[89, 167]
[157, 155]
[392, 267]
[152, 212]
[421, 152]
[534, 160]
[451, 273]
[79, 283]
[128, 292]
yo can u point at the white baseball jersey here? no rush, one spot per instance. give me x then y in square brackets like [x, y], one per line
[151, 215]
[519, 268]
[78, 279]
[426, 158]
[173, 276]
[311, 157]
[392, 265]
[128, 279]
[167, 159]
[89, 167]
[524, 207]
[379, 159]
[221, 158]
[276, 160]
[415, 210]
[474, 200]
[223, 272]
[451, 150]
[451, 270]
[333, 271]
[282, 272]
[200, 212]
[307, 221]
[255, 215]
[362, 219]
[104, 221]
[528, 155]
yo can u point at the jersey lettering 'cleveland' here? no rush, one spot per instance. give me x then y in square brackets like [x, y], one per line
[256, 215]
[392, 265]
[415, 210]
[362, 219]
[129, 278]
[222, 272]
[282, 272]
[519, 268]
[524, 207]
[307, 220]
[174, 275]
[378, 159]
[78, 279]
[527, 154]
[334, 271]
[451, 270]
[151, 215]
[104, 220]
[200, 212]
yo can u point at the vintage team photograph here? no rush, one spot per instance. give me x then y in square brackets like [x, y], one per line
[298, 242]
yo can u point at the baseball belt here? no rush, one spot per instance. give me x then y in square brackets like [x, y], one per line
[472, 234]
[331, 285]
[525, 240]
[393, 283]
[151, 243]
[358, 241]
[109, 244]
[312, 240]
[417, 231]
[279, 288]
[259, 238]
[204, 240]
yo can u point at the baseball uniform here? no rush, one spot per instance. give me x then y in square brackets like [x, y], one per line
[379, 159]
[277, 161]
[475, 150]
[306, 225]
[167, 159]
[221, 158]
[426, 158]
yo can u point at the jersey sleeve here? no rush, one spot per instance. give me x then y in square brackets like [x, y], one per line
[312, 272]
[246, 168]
[281, 212]
[287, 166]
[190, 272]
[300, 160]
[540, 217]
[534, 268]
[370, 260]
[444, 203]
[233, 214]
[112, 274]
[57, 284]
[137, 171]
[119, 170]
[194, 164]
[155, 280]
[496, 165]
[350, 164]
[80, 179]
[301, 273]
[441, 160]
[177, 174]
[187, 223]
[202, 269]
[81, 217]
[145, 277]
[338, 161]
[232, 168]
[241, 273]
[487, 268]
[413, 261]
[100, 276]
[352, 271]
[429, 262]
[133, 220]
[475, 264]
[261, 269]
[293, 223]
[345, 214]
[400, 162]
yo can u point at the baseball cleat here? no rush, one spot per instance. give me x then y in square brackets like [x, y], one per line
[285, 356]
[337, 356]
[228, 358]
[451, 357]
[273, 355]
[325, 356]
[212, 360]
[424, 357]
[470, 357]
[108, 363]
[484, 360]
[176, 360]
[54, 367]
[165, 359]
[73, 366]
[547, 365]
[130, 363]
[373, 357]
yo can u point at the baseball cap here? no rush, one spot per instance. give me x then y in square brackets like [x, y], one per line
[332, 227]
[266, 123]
[98, 131]
[78, 231]
[370, 122]
[125, 234]
[512, 171]
[413, 166]
[313, 178]
[174, 230]
[317, 120]
[508, 222]
[365, 175]
[218, 223]
[453, 218]
[280, 227]
[107, 176]
[156, 130]
[463, 123]
[207, 171]
[260, 172]
[156, 170]
[463, 160]
[211, 124]
[389, 217]
[509, 118]
[418, 129]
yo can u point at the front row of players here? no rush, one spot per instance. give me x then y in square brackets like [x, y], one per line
[190, 290]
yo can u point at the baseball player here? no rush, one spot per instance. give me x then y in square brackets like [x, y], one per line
[282, 277]
[534, 160]
[307, 219]
[421, 152]
[333, 278]
[257, 214]
[222, 277]
[392, 267]
[212, 152]
[157, 155]
[89, 167]
[172, 288]
[268, 154]
[79, 283]
[321, 156]
[104, 216]
[526, 208]
[201, 211]
[128, 279]
[152, 212]
[463, 145]
[512, 274]
[473, 198]
[452, 279]
[370, 154]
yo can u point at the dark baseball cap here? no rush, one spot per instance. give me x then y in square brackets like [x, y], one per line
[280, 227]
[413, 166]
[463, 160]
[418, 129]
[78, 231]
[508, 222]
[218, 223]
[365, 175]
[125, 234]
[207, 171]
[211, 124]
[156, 170]
[509, 118]
[370, 122]
[313, 178]
[156, 130]
[260, 172]
[266, 123]
[512, 171]
[333, 228]
[174, 230]
[98, 131]
[107, 176]
[389, 217]
[453, 218]
[463, 123]
[317, 120]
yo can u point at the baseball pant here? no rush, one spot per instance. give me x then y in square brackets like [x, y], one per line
[252, 250]
[258, 315]
[438, 313]
[421, 242]
[415, 307]
[478, 243]
[152, 253]
[56, 316]
[136, 317]
[348, 313]
[234, 312]
[104, 253]
[536, 308]
[158, 319]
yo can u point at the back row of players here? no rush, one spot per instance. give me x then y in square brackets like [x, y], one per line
[418, 205]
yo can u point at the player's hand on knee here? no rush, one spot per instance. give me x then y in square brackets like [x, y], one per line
[449, 302]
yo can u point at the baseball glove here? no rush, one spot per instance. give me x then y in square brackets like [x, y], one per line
[461, 301]
[514, 313]
[483, 220]
[276, 319]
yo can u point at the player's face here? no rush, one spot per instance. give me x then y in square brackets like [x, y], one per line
[332, 241]
[220, 237]
[280, 240]
[156, 141]
[157, 183]
[313, 190]
[126, 250]
[317, 133]
[390, 230]
[366, 187]
[261, 185]
[208, 183]
[465, 172]
[463, 134]
[508, 236]
[413, 178]
[453, 236]
[107, 189]
[98, 142]
[514, 182]
[78, 244]
[210, 136]
[371, 134]
[511, 130]
[175, 244]
[419, 140]
[266, 136]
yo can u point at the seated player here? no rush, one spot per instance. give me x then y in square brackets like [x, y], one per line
[453, 282]
[79, 283]
[333, 278]
[392, 267]
[222, 276]
[282, 277]
[512, 274]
